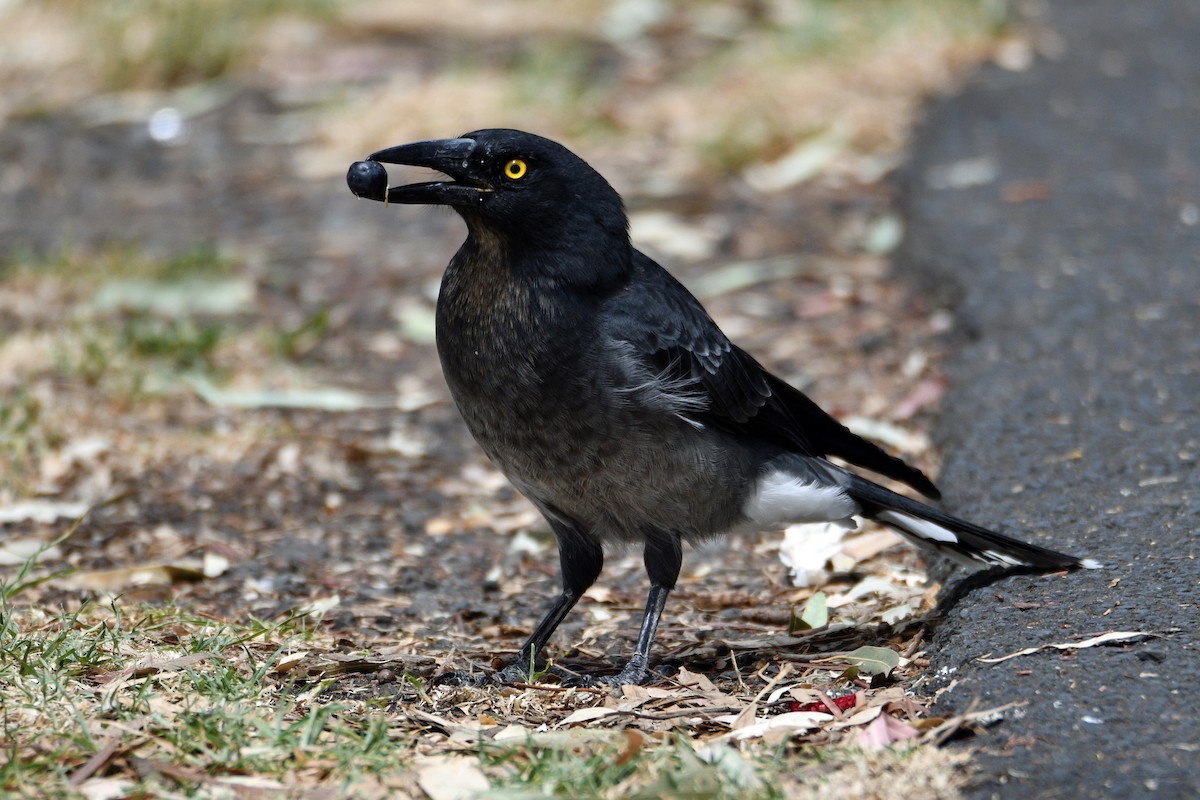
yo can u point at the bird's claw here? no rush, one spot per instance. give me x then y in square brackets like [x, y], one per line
[462, 678]
[516, 672]
[632, 675]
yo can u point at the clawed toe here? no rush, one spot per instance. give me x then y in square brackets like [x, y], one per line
[462, 678]
[633, 673]
[628, 676]
[517, 672]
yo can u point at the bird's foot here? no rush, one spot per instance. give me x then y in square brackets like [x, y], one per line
[516, 672]
[633, 673]
[460, 677]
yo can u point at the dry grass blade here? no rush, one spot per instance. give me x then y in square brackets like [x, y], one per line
[939, 734]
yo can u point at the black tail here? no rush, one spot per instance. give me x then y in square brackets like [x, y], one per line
[962, 541]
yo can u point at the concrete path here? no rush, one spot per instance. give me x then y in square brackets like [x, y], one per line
[1058, 211]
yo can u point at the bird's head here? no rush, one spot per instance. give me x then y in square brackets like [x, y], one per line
[533, 195]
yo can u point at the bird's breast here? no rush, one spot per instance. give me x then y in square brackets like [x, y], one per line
[542, 389]
[515, 359]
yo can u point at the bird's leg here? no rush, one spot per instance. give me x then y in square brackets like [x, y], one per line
[663, 557]
[580, 558]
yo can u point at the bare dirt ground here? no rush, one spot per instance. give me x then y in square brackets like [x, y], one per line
[223, 357]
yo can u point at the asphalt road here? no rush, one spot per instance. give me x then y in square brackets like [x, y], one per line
[1057, 210]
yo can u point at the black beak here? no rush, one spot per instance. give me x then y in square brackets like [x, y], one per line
[450, 156]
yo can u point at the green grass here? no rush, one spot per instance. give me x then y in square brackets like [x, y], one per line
[182, 344]
[293, 343]
[119, 325]
[66, 689]
[116, 328]
[829, 32]
[137, 354]
[592, 768]
[20, 415]
[88, 268]
[98, 324]
[839, 28]
[158, 44]
[206, 708]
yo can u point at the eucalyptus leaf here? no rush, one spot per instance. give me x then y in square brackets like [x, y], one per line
[874, 660]
[814, 615]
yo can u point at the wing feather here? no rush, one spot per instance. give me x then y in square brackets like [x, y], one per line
[686, 348]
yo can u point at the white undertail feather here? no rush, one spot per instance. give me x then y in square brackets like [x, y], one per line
[955, 545]
[797, 490]
[926, 534]
[918, 527]
[780, 499]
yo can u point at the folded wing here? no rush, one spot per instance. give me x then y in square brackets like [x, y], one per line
[686, 347]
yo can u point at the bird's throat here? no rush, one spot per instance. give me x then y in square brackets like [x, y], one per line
[480, 290]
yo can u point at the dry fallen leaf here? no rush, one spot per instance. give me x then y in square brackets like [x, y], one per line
[586, 715]
[450, 777]
[946, 728]
[858, 718]
[1095, 641]
[43, 511]
[112, 580]
[328, 398]
[885, 730]
[814, 615]
[288, 662]
[512, 732]
[696, 681]
[18, 551]
[792, 722]
[804, 162]
[105, 788]
[634, 742]
[873, 660]
[867, 545]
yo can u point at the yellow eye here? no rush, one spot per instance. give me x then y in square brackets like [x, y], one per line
[515, 169]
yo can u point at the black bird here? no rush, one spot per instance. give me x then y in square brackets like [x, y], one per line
[610, 398]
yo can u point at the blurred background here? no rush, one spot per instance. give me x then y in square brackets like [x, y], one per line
[224, 359]
[173, 213]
